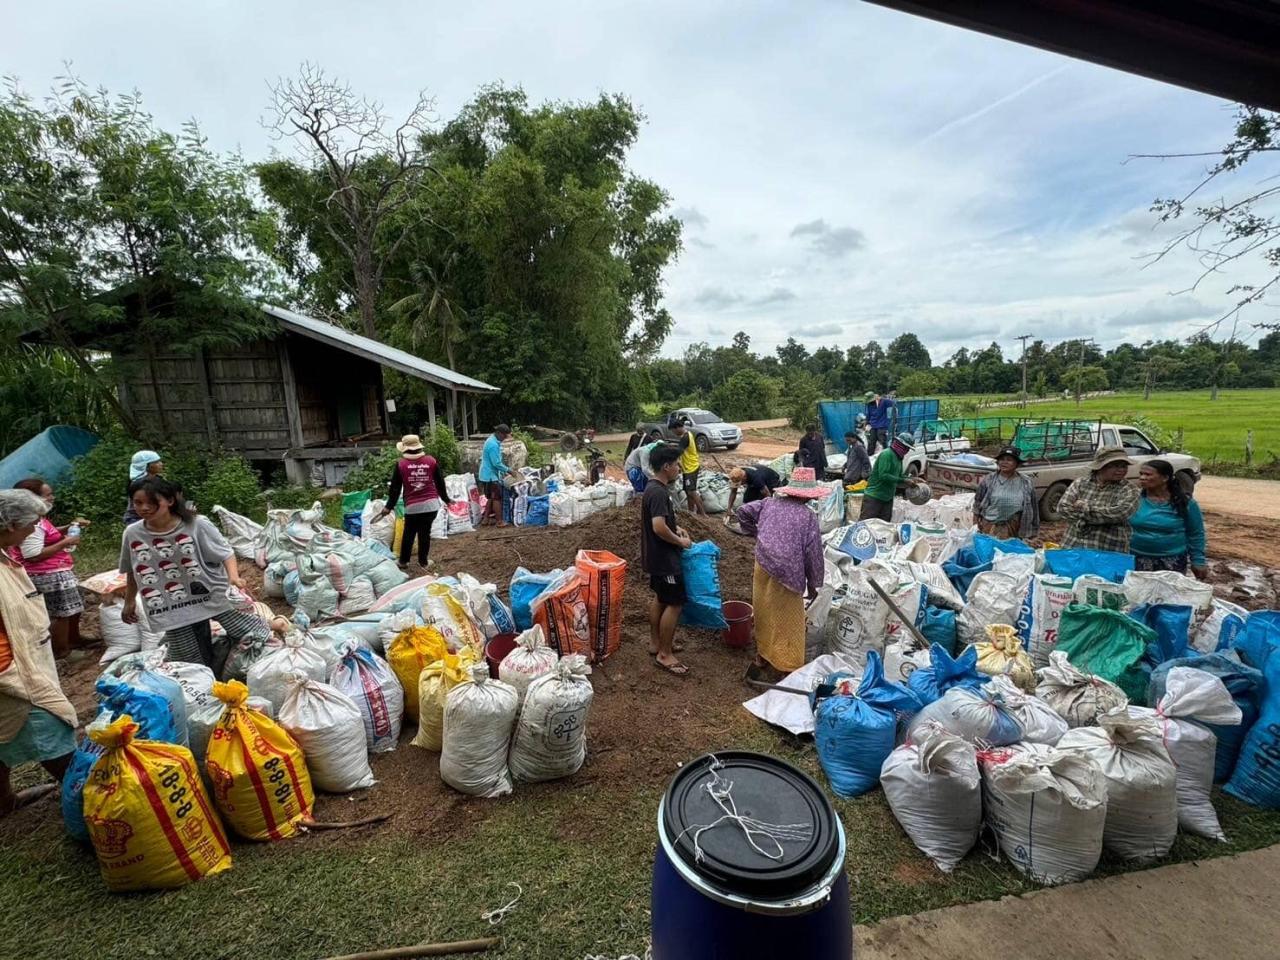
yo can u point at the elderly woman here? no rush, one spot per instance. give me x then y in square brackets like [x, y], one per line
[1098, 507]
[1005, 505]
[1168, 530]
[46, 554]
[789, 565]
[37, 721]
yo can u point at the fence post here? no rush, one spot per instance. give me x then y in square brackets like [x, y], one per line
[1248, 448]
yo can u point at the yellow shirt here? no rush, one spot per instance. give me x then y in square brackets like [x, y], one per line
[689, 459]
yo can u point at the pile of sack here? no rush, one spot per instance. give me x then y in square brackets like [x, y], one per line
[1115, 698]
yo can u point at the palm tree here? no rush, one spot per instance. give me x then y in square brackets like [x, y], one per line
[431, 308]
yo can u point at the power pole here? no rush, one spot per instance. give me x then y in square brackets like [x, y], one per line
[1080, 370]
[1024, 338]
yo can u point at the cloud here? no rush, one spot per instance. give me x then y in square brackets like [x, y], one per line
[701, 244]
[716, 298]
[820, 330]
[828, 240]
[1172, 310]
[776, 295]
[715, 331]
[691, 217]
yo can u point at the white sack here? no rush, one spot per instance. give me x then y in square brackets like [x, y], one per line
[973, 716]
[241, 532]
[934, 789]
[1168, 586]
[1193, 697]
[1078, 697]
[992, 598]
[1048, 809]
[1047, 596]
[478, 721]
[857, 620]
[530, 659]
[1100, 592]
[124, 638]
[1142, 798]
[942, 592]
[203, 708]
[791, 711]
[330, 729]
[359, 597]
[383, 531]
[551, 735]
[902, 658]
[1040, 722]
[369, 681]
[1224, 622]
[270, 675]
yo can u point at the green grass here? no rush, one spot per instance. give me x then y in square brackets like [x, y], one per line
[1212, 429]
[583, 855]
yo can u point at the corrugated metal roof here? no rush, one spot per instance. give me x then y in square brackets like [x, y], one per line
[380, 353]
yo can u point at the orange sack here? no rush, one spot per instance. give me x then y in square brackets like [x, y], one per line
[604, 576]
[561, 611]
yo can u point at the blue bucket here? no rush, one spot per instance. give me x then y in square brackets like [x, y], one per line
[735, 902]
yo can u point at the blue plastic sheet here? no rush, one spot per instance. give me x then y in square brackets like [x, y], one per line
[944, 672]
[939, 627]
[700, 565]
[1172, 624]
[48, 455]
[538, 512]
[985, 548]
[1260, 636]
[1242, 681]
[525, 588]
[1078, 562]
[855, 734]
[1256, 778]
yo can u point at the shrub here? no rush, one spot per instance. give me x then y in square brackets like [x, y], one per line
[230, 483]
[374, 470]
[747, 395]
[800, 404]
[538, 456]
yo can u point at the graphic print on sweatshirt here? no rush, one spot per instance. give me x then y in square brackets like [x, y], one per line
[167, 582]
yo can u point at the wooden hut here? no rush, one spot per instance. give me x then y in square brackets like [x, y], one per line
[310, 396]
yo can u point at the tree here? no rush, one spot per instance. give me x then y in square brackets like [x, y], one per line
[1087, 379]
[747, 395]
[918, 383]
[853, 376]
[354, 176]
[742, 342]
[792, 355]
[906, 350]
[433, 308]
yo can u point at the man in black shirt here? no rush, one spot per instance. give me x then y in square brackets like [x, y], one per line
[813, 451]
[661, 542]
[756, 482]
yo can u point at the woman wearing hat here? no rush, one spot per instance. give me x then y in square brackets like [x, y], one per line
[1005, 505]
[416, 476]
[789, 565]
[1098, 507]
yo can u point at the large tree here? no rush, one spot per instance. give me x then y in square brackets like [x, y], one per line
[906, 350]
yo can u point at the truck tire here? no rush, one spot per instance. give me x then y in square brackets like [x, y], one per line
[1187, 481]
[1049, 502]
[568, 442]
[702, 443]
[913, 470]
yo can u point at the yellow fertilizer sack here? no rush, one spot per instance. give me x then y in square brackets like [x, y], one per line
[437, 680]
[409, 654]
[150, 820]
[442, 610]
[257, 771]
[1002, 655]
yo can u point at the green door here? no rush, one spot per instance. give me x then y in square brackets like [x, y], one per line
[350, 410]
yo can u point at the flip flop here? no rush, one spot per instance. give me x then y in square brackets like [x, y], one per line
[30, 795]
[675, 648]
[677, 669]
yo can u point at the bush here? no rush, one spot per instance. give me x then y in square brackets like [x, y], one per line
[538, 456]
[230, 483]
[803, 391]
[747, 395]
[374, 470]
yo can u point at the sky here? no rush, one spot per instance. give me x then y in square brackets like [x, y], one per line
[843, 172]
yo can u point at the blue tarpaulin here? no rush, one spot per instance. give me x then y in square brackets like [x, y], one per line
[48, 455]
[838, 416]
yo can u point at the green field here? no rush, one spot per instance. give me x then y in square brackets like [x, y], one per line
[1212, 429]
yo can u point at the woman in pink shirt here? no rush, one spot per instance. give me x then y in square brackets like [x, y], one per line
[47, 558]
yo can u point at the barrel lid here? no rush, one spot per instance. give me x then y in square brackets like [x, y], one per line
[766, 790]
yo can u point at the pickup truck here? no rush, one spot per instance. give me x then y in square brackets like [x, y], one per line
[709, 431]
[1052, 470]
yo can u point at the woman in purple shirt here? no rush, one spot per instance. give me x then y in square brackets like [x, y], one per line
[788, 566]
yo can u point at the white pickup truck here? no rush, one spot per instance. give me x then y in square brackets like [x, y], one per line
[1059, 460]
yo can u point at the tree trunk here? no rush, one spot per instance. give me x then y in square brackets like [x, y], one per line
[366, 291]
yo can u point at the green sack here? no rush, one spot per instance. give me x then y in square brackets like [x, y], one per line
[354, 502]
[1107, 643]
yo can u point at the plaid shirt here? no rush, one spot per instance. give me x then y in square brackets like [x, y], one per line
[1101, 520]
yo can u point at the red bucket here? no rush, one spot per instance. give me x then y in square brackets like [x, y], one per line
[740, 616]
[496, 649]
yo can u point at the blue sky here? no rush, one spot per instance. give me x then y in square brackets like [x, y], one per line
[845, 172]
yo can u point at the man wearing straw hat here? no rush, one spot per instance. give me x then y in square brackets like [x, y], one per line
[789, 565]
[1098, 507]
[416, 476]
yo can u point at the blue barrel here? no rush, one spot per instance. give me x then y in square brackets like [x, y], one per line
[734, 902]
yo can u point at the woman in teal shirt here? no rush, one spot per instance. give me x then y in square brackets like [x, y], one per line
[1168, 530]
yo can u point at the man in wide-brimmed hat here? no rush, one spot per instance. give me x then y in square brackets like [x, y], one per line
[1098, 507]
[789, 566]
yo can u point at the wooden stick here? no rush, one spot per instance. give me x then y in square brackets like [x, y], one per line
[345, 824]
[773, 686]
[423, 950]
[906, 622]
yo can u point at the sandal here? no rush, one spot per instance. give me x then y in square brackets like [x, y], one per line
[757, 674]
[24, 798]
[676, 669]
[675, 648]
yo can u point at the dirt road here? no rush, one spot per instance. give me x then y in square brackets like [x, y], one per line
[1244, 498]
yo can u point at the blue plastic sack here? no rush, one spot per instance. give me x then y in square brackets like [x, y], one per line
[944, 672]
[133, 670]
[962, 568]
[1260, 636]
[1256, 778]
[537, 513]
[352, 523]
[703, 606]
[292, 587]
[1172, 624]
[73, 781]
[1077, 562]
[525, 588]
[1242, 681]
[985, 548]
[939, 627]
[855, 734]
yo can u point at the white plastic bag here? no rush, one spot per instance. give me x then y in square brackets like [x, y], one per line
[1142, 797]
[359, 597]
[1040, 722]
[328, 726]
[1168, 586]
[857, 619]
[903, 658]
[942, 592]
[1193, 697]
[530, 659]
[241, 532]
[992, 598]
[551, 734]
[369, 681]
[1224, 622]
[478, 721]
[1078, 697]
[1048, 809]
[269, 675]
[934, 789]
